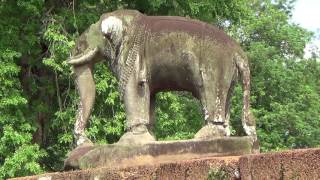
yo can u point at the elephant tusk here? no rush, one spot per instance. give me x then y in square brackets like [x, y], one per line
[87, 57]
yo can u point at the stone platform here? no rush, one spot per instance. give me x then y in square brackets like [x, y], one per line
[117, 155]
[295, 164]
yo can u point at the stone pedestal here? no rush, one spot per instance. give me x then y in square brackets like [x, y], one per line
[117, 155]
[294, 164]
[180, 170]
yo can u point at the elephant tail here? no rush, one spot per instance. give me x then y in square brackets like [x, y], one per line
[248, 120]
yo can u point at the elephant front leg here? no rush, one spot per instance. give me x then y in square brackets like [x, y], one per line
[137, 106]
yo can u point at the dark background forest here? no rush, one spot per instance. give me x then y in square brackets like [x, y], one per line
[38, 99]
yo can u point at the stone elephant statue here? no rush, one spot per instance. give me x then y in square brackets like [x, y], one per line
[149, 54]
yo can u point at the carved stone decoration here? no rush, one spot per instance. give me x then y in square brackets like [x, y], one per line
[149, 54]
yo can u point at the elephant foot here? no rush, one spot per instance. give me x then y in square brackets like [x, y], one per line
[83, 140]
[138, 135]
[210, 131]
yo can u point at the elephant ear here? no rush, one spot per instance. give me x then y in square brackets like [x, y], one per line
[112, 28]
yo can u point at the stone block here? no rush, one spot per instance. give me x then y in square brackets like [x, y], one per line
[295, 164]
[117, 155]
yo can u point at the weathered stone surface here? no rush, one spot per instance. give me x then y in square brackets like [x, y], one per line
[296, 164]
[156, 152]
[74, 156]
[185, 169]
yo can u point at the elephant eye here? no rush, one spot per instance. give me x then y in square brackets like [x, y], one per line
[107, 35]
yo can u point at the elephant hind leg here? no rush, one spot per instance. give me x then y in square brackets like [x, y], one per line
[248, 120]
[213, 100]
[215, 120]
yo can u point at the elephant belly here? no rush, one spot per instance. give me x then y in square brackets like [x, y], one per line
[173, 77]
[173, 60]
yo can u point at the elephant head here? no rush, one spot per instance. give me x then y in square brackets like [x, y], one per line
[88, 50]
[101, 40]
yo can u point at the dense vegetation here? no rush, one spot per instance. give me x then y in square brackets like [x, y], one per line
[38, 99]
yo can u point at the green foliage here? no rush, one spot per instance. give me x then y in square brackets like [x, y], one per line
[19, 156]
[22, 162]
[38, 99]
[178, 116]
[284, 91]
[218, 174]
[107, 123]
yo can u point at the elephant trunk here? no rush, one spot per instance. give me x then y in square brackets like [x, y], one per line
[86, 87]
